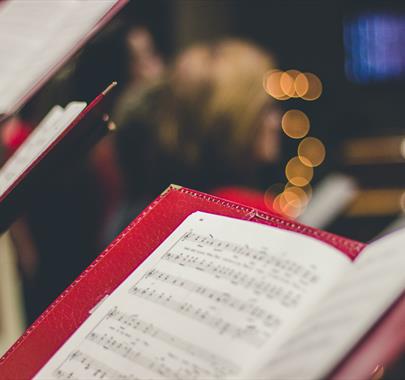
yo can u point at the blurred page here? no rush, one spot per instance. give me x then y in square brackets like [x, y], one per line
[50, 128]
[372, 285]
[35, 37]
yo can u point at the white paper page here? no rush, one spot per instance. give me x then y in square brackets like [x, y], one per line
[35, 35]
[50, 128]
[376, 280]
[203, 305]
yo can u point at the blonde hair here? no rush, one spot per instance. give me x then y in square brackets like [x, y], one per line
[216, 97]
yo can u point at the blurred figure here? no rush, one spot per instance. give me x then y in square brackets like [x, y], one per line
[60, 234]
[144, 66]
[146, 63]
[208, 125]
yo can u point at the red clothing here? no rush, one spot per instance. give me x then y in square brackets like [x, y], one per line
[13, 134]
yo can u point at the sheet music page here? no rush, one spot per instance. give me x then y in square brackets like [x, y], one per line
[375, 281]
[215, 294]
[49, 129]
[35, 36]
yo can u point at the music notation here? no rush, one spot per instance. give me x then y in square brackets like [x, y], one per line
[262, 256]
[199, 306]
[272, 287]
[111, 343]
[133, 340]
[250, 334]
[221, 365]
[224, 298]
[86, 367]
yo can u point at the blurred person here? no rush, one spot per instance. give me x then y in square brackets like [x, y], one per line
[60, 234]
[208, 125]
[146, 64]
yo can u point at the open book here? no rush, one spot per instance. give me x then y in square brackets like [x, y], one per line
[38, 37]
[53, 144]
[200, 287]
[228, 298]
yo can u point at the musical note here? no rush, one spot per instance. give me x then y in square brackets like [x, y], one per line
[111, 343]
[258, 255]
[248, 334]
[201, 306]
[282, 268]
[84, 366]
[284, 296]
[273, 287]
[123, 342]
[222, 366]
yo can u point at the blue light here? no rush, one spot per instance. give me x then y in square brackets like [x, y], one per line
[374, 47]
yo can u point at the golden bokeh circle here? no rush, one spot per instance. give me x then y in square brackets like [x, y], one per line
[271, 193]
[295, 124]
[311, 151]
[298, 173]
[307, 189]
[299, 193]
[271, 84]
[288, 204]
[287, 83]
[301, 84]
[315, 87]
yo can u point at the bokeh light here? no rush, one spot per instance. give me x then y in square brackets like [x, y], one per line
[298, 173]
[311, 151]
[288, 199]
[283, 85]
[301, 84]
[314, 87]
[304, 193]
[271, 193]
[271, 84]
[288, 203]
[292, 198]
[295, 124]
[287, 83]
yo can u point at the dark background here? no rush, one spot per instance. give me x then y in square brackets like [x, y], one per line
[303, 35]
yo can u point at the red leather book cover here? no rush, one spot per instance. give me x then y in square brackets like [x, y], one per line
[63, 317]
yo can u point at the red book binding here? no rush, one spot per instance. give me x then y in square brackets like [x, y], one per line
[63, 317]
